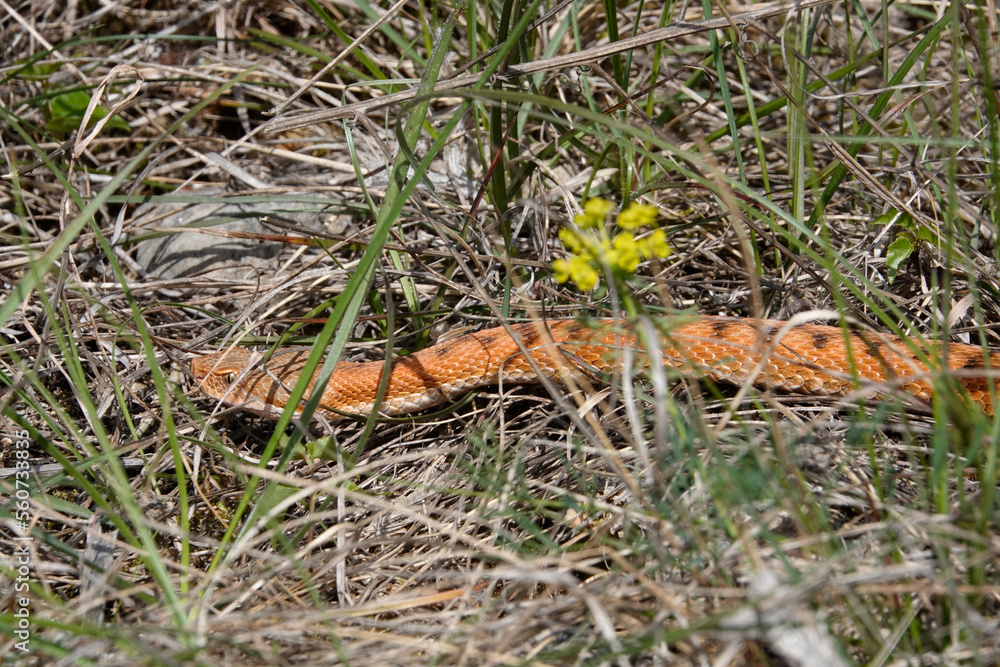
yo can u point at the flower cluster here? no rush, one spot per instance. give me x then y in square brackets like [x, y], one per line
[594, 250]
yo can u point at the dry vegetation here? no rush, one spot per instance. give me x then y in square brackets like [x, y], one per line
[413, 183]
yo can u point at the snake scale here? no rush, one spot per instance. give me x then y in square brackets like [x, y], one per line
[805, 358]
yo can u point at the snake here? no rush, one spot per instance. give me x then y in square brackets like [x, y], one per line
[800, 358]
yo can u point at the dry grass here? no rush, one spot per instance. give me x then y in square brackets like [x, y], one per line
[511, 528]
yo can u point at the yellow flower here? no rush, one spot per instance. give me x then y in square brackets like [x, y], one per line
[654, 245]
[583, 274]
[576, 269]
[637, 215]
[560, 270]
[571, 240]
[592, 250]
[628, 252]
[595, 212]
[625, 240]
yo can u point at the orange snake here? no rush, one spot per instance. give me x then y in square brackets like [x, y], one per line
[805, 358]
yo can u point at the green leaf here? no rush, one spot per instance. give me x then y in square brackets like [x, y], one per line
[325, 449]
[886, 217]
[904, 220]
[897, 253]
[66, 113]
[925, 234]
[73, 103]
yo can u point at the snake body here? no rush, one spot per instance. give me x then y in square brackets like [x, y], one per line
[805, 358]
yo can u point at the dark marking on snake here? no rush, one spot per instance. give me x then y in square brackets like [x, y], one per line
[487, 339]
[973, 363]
[721, 327]
[767, 331]
[576, 331]
[820, 339]
[529, 337]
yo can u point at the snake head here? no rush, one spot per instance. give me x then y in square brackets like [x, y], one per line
[223, 376]
[218, 371]
[237, 377]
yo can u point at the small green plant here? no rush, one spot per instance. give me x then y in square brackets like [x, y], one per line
[615, 250]
[66, 112]
[907, 241]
